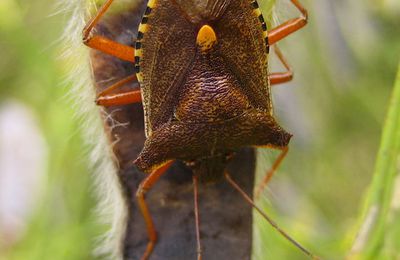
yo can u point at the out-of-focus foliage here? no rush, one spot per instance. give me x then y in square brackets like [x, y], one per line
[345, 64]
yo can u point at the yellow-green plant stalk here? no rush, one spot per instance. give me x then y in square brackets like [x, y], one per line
[378, 236]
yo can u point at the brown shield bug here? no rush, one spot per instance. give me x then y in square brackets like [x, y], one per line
[202, 66]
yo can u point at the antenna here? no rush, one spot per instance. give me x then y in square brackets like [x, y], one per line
[270, 221]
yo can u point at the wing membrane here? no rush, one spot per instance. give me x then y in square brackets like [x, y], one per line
[198, 11]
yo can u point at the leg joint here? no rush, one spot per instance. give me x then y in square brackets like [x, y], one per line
[140, 192]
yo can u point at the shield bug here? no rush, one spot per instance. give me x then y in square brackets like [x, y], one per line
[202, 66]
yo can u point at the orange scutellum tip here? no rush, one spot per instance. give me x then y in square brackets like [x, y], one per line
[206, 38]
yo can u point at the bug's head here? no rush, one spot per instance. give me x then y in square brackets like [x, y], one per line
[210, 169]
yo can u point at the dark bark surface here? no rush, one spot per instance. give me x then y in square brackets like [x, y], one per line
[226, 219]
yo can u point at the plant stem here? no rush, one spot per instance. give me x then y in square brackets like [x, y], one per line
[379, 204]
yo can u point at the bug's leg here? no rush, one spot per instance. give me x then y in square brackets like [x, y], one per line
[104, 44]
[144, 186]
[125, 98]
[289, 26]
[106, 98]
[281, 77]
[270, 173]
[270, 221]
[196, 215]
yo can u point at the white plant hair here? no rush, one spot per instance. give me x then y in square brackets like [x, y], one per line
[112, 208]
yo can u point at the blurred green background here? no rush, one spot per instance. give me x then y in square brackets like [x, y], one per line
[345, 64]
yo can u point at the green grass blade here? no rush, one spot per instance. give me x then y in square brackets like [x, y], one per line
[378, 220]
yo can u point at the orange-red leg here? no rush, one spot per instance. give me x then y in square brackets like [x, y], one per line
[130, 97]
[104, 44]
[145, 186]
[288, 27]
[267, 218]
[196, 216]
[281, 77]
[271, 171]
[106, 98]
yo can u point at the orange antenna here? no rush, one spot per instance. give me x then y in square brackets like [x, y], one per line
[270, 221]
